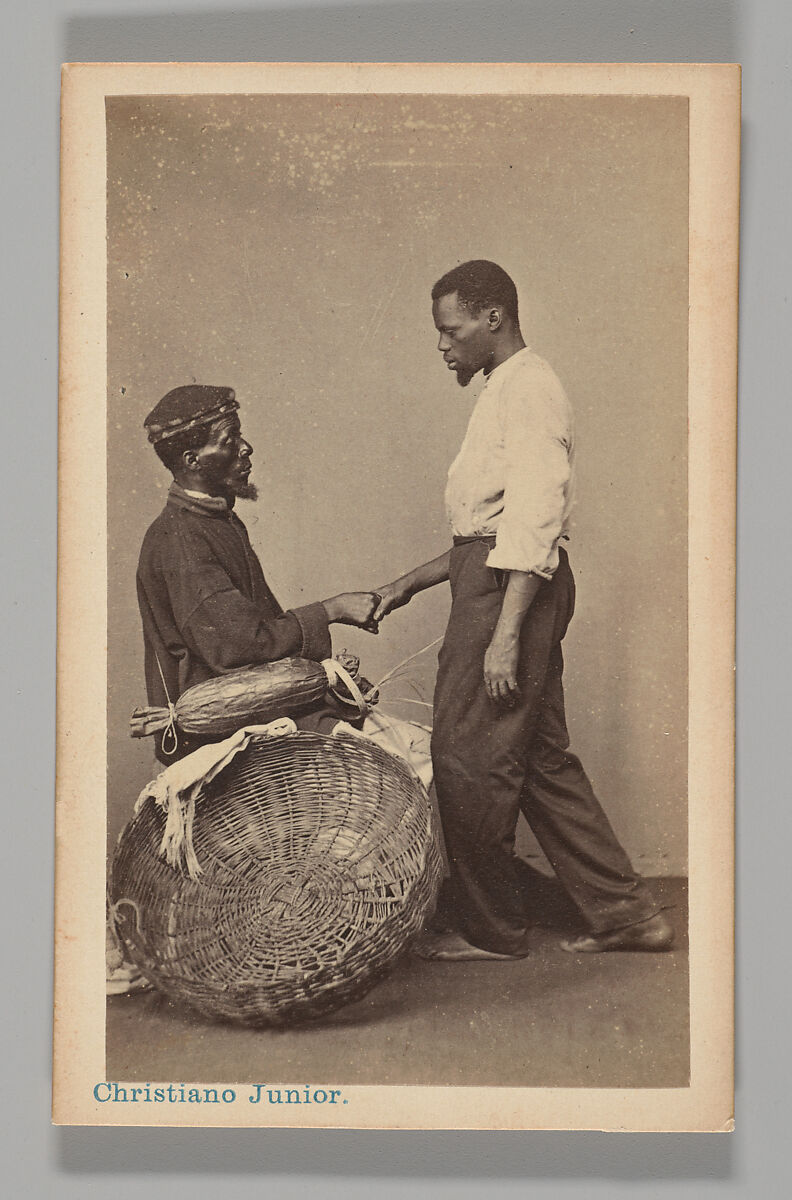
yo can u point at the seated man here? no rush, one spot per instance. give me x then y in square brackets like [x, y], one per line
[204, 602]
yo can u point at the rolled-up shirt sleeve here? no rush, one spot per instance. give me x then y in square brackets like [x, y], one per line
[537, 470]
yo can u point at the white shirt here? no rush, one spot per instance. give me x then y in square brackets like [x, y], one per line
[514, 475]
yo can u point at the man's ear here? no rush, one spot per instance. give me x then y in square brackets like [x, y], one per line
[190, 460]
[495, 318]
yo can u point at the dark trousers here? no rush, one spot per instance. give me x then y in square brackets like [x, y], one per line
[492, 763]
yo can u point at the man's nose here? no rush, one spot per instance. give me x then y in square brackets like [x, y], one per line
[443, 344]
[245, 449]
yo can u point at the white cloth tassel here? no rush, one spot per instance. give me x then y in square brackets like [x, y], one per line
[173, 834]
[190, 859]
[178, 788]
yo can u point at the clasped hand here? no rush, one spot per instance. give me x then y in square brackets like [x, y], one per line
[392, 595]
[366, 609]
[354, 608]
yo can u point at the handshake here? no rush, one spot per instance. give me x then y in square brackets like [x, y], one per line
[366, 609]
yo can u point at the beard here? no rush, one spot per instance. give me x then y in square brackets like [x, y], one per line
[464, 376]
[245, 491]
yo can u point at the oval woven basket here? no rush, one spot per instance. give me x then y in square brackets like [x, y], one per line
[319, 864]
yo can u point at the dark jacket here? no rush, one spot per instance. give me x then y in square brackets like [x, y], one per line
[205, 604]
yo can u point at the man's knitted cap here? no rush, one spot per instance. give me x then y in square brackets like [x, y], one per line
[186, 407]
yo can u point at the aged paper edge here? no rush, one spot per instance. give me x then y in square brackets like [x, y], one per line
[79, 1020]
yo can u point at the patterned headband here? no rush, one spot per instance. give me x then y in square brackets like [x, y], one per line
[169, 429]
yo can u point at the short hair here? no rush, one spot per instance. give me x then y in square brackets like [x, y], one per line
[170, 451]
[479, 283]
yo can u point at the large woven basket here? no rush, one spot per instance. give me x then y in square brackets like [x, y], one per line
[319, 863]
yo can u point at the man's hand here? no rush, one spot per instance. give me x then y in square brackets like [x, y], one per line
[500, 669]
[503, 654]
[392, 595]
[353, 608]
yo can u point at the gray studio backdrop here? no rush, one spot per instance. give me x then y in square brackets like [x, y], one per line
[287, 247]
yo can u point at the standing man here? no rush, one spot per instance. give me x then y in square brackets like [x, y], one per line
[500, 743]
[204, 602]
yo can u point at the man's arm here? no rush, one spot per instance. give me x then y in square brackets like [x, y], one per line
[503, 653]
[228, 630]
[402, 590]
[537, 433]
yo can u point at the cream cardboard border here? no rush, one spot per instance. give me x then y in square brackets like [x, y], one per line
[79, 1022]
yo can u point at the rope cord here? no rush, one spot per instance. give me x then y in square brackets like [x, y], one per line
[114, 917]
[403, 663]
[169, 733]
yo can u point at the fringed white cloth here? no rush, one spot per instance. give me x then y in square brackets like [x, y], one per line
[179, 786]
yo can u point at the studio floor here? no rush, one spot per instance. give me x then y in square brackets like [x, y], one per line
[550, 1020]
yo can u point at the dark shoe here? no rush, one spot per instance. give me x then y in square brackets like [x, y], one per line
[654, 934]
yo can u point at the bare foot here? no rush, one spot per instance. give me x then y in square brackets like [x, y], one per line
[452, 947]
[654, 934]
